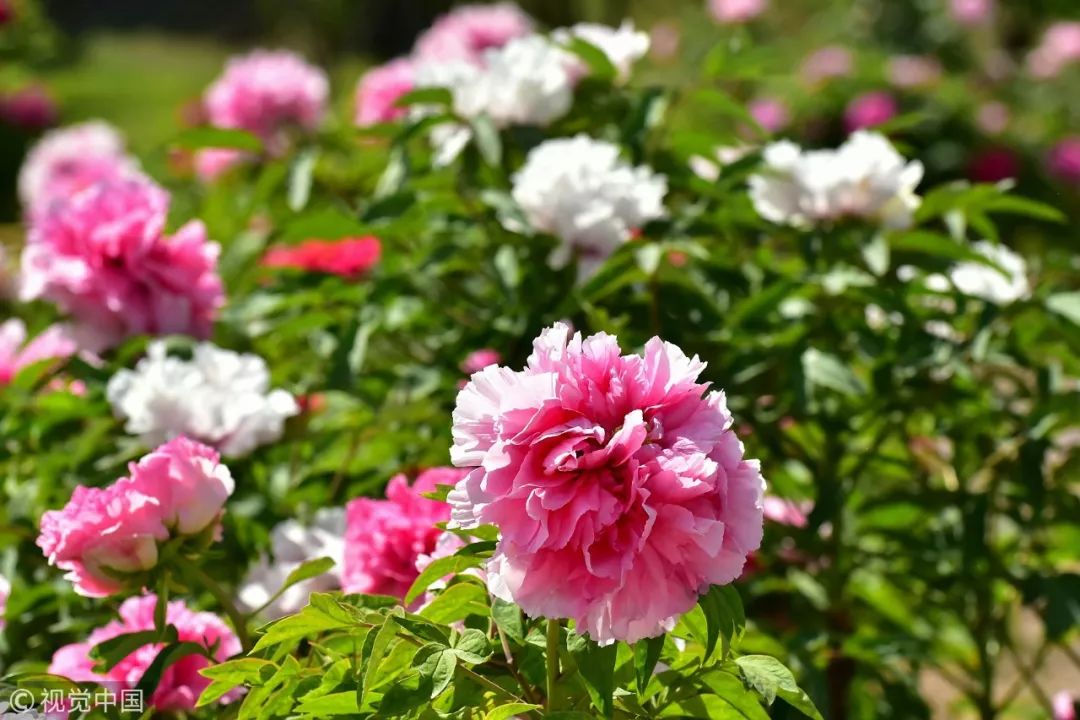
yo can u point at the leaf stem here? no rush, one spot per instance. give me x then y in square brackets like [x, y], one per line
[238, 619]
[552, 663]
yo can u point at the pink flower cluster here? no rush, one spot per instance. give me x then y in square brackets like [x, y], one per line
[462, 35]
[102, 534]
[16, 353]
[104, 257]
[180, 684]
[477, 360]
[469, 30]
[736, 11]
[1064, 160]
[384, 538]
[29, 108]
[618, 486]
[1060, 47]
[265, 93]
[870, 110]
[971, 12]
[1064, 706]
[831, 61]
[349, 257]
[71, 159]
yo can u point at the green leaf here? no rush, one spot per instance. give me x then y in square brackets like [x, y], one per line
[471, 646]
[439, 569]
[646, 655]
[426, 96]
[301, 175]
[771, 678]
[487, 140]
[508, 617]
[309, 621]
[110, 652]
[825, 370]
[735, 700]
[937, 245]
[227, 675]
[1065, 304]
[505, 712]
[374, 656]
[1017, 205]
[457, 602]
[326, 224]
[169, 654]
[209, 137]
[339, 703]
[599, 64]
[438, 669]
[596, 666]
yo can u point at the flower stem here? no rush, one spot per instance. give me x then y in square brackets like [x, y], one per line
[552, 662]
[239, 620]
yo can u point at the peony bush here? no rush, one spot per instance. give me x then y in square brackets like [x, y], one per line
[527, 381]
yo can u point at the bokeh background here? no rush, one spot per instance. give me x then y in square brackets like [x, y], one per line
[967, 80]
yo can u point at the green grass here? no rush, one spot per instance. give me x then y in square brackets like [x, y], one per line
[137, 82]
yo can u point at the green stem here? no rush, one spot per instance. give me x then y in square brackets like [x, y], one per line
[239, 620]
[552, 663]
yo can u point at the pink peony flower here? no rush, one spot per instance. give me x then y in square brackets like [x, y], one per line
[384, 538]
[1059, 48]
[103, 257]
[477, 360]
[993, 117]
[787, 512]
[829, 62]
[70, 159]
[1064, 160]
[7, 12]
[30, 108]
[869, 110]
[105, 533]
[913, 71]
[664, 40]
[212, 163]
[180, 684]
[618, 487]
[994, 165]
[971, 12]
[189, 482]
[770, 113]
[736, 11]
[380, 88]
[54, 342]
[265, 92]
[467, 31]
[349, 257]
[1064, 706]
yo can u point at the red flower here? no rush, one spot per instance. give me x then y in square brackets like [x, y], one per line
[349, 257]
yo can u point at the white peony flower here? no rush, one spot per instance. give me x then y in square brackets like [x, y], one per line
[291, 545]
[623, 45]
[709, 168]
[981, 281]
[528, 81]
[584, 193]
[219, 397]
[865, 177]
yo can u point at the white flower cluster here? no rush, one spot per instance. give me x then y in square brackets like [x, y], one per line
[526, 82]
[580, 190]
[219, 397]
[292, 544]
[982, 281]
[623, 45]
[865, 177]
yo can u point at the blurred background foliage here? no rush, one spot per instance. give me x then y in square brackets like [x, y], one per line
[941, 558]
